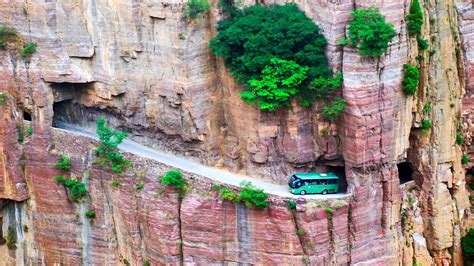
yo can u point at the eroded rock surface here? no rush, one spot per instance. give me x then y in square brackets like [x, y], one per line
[150, 72]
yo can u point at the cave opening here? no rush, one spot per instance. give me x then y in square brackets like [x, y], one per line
[26, 116]
[405, 172]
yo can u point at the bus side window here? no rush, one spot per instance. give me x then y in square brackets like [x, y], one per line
[334, 181]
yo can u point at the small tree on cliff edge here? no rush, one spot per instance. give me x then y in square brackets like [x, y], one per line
[108, 151]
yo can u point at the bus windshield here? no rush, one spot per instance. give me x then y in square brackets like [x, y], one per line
[294, 182]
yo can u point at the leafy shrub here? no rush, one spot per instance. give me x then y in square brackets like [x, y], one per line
[108, 151]
[329, 211]
[467, 243]
[464, 159]
[146, 263]
[29, 131]
[278, 84]
[140, 186]
[291, 204]
[27, 51]
[334, 110]
[411, 78]
[174, 179]
[415, 18]
[257, 41]
[90, 214]
[343, 41]
[115, 183]
[11, 237]
[459, 139]
[369, 31]
[76, 189]
[216, 187]
[252, 196]
[196, 7]
[427, 108]
[3, 99]
[64, 163]
[6, 34]
[422, 44]
[426, 125]
[300, 232]
[21, 134]
[229, 195]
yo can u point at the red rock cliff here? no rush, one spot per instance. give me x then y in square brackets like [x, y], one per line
[149, 71]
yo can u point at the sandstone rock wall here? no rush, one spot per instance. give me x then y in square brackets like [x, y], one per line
[149, 71]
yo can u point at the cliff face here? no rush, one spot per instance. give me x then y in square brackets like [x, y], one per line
[150, 72]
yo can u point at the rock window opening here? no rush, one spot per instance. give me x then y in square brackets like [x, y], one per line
[405, 173]
[26, 116]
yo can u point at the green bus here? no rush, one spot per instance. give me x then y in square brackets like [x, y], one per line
[323, 183]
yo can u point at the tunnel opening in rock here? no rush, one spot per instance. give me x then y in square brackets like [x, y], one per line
[66, 106]
[340, 171]
[405, 172]
[26, 116]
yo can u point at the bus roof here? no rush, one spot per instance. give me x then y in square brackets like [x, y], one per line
[307, 176]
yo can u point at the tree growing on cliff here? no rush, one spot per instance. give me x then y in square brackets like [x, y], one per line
[107, 151]
[174, 179]
[196, 7]
[278, 83]
[415, 19]
[77, 190]
[369, 32]
[411, 76]
[275, 52]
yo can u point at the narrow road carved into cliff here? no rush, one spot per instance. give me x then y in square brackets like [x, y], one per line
[219, 175]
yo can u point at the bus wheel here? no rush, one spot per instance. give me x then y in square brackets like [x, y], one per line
[325, 192]
[302, 192]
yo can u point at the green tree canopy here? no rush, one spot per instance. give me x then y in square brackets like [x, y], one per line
[251, 38]
[369, 31]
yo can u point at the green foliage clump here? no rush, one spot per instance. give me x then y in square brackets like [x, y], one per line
[28, 49]
[426, 125]
[278, 83]
[196, 7]
[90, 214]
[3, 99]
[464, 159]
[29, 131]
[21, 134]
[108, 152]
[174, 179]
[115, 183]
[76, 189]
[276, 52]
[410, 79]
[229, 195]
[329, 211]
[415, 18]
[64, 163]
[300, 232]
[427, 108]
[252, 196]
[248, 195]
[216, 187]
[146, 263]
[459, 139]
[140, 186]
[467, 243]
[369, 31]
[291, 204]
[11, 237]
[6, 34]
[422, 44]
[334, 110]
